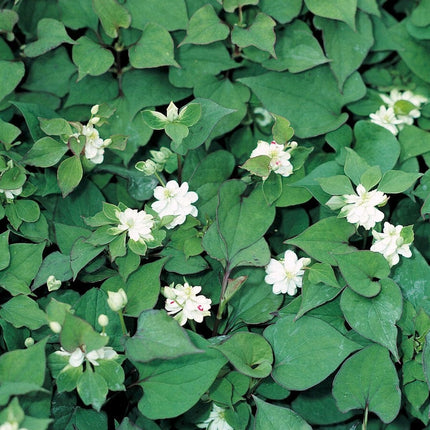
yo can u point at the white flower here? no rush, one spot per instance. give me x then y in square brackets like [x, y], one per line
[386, 118]
[360, 208]
[183, 301]
[52, 283]
[175, 200]
[279, 158]
[8, 425]
[216, 420]
[94, 144]
[78, 356]
[117, 300]
[286, 275]
[137, 223]
[11, 194]
[390, 243]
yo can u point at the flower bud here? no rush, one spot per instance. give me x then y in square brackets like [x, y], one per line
[172, 112]
[103, 320]
[52, 283]
[293, 144]
[55, 326]
[94, 109]
[94, 120]
[29, 341]
[117, 300]
[148, 167]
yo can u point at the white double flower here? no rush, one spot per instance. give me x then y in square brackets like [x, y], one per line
[79, 355]
[138, 224]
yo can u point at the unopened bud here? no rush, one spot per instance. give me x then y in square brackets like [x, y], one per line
[103, 320]
[52, 283]
[148, 167]
[293, 144]
[94, 120]
[117, 300]
[94, 109]
[29, 341]
[172, 112]
[55, 326]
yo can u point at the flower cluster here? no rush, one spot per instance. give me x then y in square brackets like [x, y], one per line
[157, 163]
[279, 156]
[94, 145]
[216, 420]
[391, 243]
[286, 275]
[79, 355]
[174, 200]
[401, 108]
[138, 224]
[360, 208]
[184, 301]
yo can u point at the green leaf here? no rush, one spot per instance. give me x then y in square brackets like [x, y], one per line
[11, 74]
[249, 353]
[371, 177]
[321, 102]
[177, 132]
[91, 58]
[158, 336]
[355, 166]
[280, 10]
[112, 16]
[153, 49]
[92, 389]
[272, 417]
[397, 181]
[368, 380]
[21, 311]
[259, 165]
[4, 250]
[325, 239]
[344, 11]
[190, 114]
[27, 210]
[8, 19]
[24, 365]
[308, 338]
[12, 179]
[171, 13]
[113, 373]
[184, 378]
[25, 260]
[77, 332]
[361, 269]
[55, 127]
[232, 5]
[338, 40]
[8, 133]
[143, 287]
[296, 48]
[260, 34]
[336, 185]
[56, 264]
[81, 254]
[282, 131]
[413, 142]
[376, 145]
[80, 14]
[69, 174]
[50, 34]
[375, 318]
[205, 27]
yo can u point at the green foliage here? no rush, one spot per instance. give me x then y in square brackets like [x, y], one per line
[265, 265]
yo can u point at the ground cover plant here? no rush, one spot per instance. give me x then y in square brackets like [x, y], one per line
[214, 214]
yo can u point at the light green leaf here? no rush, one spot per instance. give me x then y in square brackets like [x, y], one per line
[190, 114]
[27, 210]
[259, 165]
[325, 239]
[397, 181]
[205, 27]
[260, 34]
[112, 15]
[69, 174]
[360, 269]
[296, 49]
[46, 152]
[153, 49]
[371, 177]
[12, 178]
[158, 336]
[55, 127]
[21, 311]
[8, 19]
[92, 389]
[50, 34]
[319, 110]
[308, 338]
[8, 133]
[369, 380]
[272, 417]
[344, 11]
[282, 131]
[336, 185]
[375, 318]
[176, 131]
[91, 58]
[249, 353]
[339, 38]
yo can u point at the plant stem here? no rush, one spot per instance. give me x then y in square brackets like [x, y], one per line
[366, 414]
[192, 325]
[179, 169]
[121, 319]
[159, 179]
[221, 299]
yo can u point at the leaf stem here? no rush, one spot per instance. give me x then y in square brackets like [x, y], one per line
[221, 299]
[366, 414]
[159, 179]
[121, 319]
